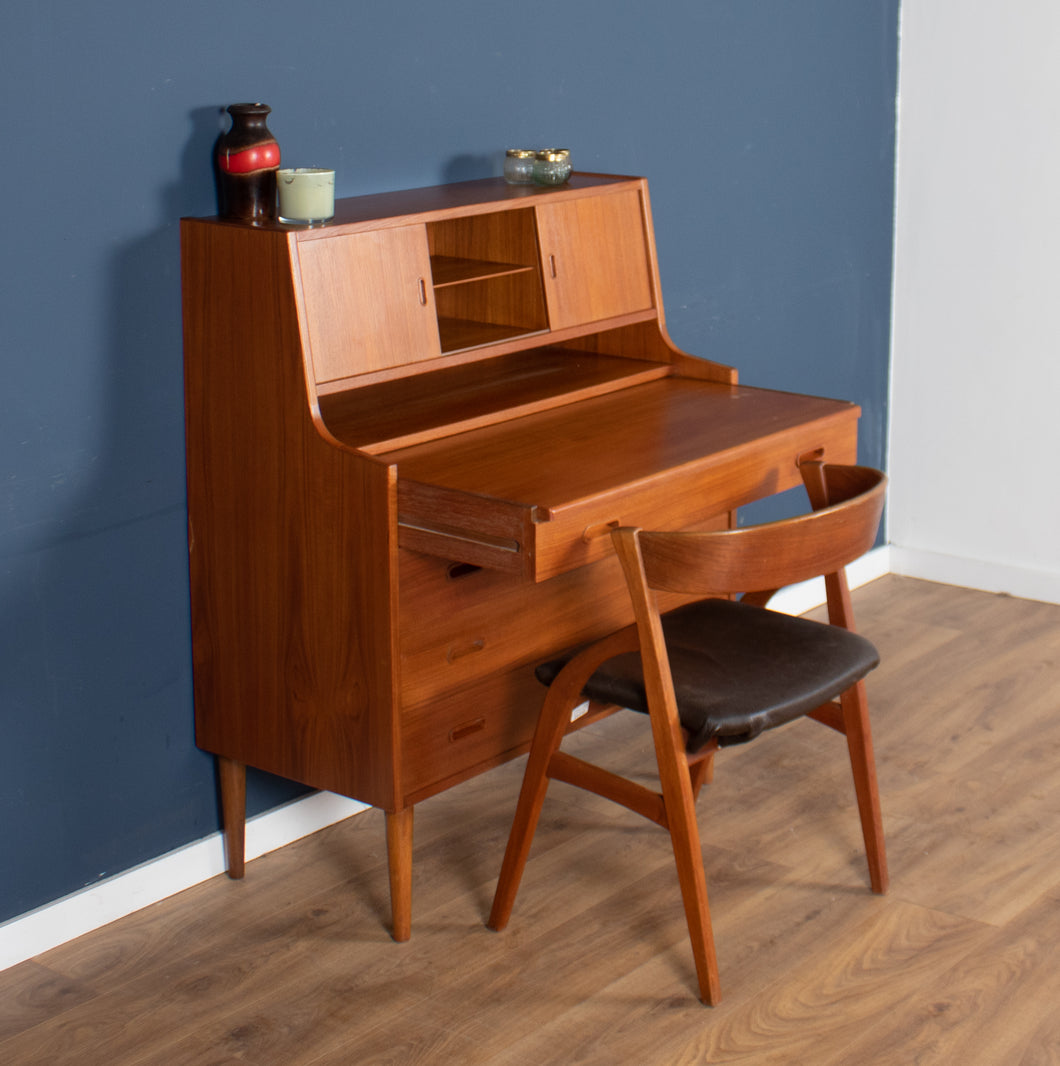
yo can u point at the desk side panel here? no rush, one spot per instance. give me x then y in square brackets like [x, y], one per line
[291, 538]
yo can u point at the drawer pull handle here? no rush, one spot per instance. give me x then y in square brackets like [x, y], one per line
[810, 457]
[602, 529]
[455, 571]
[461, 732]
[458, 652]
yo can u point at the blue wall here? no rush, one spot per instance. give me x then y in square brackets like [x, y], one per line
[765, 127]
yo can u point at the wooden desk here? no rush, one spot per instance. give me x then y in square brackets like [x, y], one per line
[409, 433]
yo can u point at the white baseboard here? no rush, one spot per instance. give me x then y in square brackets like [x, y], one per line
[97, 905]
[1018, 581]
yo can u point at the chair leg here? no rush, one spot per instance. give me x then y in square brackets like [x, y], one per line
[689, 858]
[863, 764]
[688, 855]
[551, 726]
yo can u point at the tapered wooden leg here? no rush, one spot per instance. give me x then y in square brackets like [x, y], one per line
[527, 812]
[863, 765]
[689, 858]
[688, 855]
[233, 777]
[399, 855]
[551, 726]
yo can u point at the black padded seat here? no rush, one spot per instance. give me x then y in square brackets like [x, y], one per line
[738, 670]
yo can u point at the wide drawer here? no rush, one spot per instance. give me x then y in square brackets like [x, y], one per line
[453, 737]
[538, 496]
[460, 624]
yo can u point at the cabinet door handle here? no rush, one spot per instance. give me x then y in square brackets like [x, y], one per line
[423, 292]
[552, 265]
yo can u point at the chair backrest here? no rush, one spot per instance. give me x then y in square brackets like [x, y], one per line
[849, 502]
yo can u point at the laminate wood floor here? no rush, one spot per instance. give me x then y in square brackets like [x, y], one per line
[958, 964]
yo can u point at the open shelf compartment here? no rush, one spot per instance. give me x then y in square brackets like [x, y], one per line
[486, 272]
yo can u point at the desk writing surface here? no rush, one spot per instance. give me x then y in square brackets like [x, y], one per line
[669, 451]
[585, 449]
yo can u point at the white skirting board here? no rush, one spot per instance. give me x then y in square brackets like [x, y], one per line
[1019, 581]
[97, 905]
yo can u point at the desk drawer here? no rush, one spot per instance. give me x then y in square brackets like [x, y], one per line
[459, 623]
[460, 734]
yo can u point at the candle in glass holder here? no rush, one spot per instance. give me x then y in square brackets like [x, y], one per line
[307, 194]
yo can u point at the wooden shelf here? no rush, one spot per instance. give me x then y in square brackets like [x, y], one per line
[427, 406]
[456, 334]
[452, 270]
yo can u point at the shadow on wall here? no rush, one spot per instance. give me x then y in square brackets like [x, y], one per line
[100, 769]
[471, 167]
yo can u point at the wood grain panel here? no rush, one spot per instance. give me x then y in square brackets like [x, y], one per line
[290, 538]
[594, 256]
[368, 301]
[472, 623]
[441, 403]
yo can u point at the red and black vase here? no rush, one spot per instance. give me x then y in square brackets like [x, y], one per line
[246, 159]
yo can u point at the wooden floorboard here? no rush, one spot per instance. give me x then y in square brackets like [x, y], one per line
[957, 964]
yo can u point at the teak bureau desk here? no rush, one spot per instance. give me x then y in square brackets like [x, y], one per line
[409, 433]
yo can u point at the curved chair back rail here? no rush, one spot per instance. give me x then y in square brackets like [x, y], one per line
[773, 554]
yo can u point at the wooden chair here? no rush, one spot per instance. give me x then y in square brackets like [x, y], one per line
[716, 672]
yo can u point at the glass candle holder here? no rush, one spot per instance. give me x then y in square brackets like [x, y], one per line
[552, 166]
[519, 166]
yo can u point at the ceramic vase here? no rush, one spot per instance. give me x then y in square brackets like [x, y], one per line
[246, 158]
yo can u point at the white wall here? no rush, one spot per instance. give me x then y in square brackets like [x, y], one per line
[975, 434]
